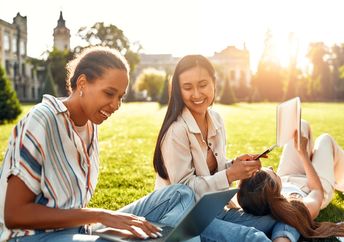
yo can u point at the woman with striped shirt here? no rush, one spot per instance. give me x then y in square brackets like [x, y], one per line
[51, 166]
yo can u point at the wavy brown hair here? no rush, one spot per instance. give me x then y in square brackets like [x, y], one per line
[261, 195]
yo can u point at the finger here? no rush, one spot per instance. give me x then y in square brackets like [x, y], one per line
[138, 232]
[147, 228]
[252, 163]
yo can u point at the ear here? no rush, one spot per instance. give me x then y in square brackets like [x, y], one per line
[81, 82]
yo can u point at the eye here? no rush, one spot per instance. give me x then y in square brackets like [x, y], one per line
[109, 93]
[203, 84]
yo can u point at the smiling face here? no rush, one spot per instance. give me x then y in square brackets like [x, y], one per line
[197, 89]
[103, 96]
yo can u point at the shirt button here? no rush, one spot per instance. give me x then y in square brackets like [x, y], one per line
[215, 154]
[209, 144]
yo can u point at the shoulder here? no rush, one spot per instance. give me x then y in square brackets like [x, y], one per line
[216, 117]
[178, 129]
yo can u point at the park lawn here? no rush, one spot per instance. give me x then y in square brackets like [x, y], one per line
[127, 142]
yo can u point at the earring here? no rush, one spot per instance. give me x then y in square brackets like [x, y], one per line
[80, 93]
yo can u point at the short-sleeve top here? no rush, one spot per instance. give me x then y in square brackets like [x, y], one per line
[48, 155]
[185, 154]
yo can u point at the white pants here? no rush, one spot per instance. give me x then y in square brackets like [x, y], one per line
[327, 158]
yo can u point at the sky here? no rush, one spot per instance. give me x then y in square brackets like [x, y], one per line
[181, 27]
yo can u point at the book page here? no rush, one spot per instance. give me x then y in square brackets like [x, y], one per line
[288, 119]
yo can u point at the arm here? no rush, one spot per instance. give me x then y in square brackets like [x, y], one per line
[314, 199]
[21, 212]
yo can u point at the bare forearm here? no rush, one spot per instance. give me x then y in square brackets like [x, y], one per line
[35, 216]
[311, 174]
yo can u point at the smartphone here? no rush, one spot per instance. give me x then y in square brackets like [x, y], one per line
[265, 152]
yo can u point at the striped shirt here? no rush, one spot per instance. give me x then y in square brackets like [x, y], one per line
[47, 154]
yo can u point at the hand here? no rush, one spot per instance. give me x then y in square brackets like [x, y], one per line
[303, 145]
[243, 167]
[135, 225]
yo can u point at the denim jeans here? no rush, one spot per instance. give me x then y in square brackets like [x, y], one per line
[266, 224]
[165, 206]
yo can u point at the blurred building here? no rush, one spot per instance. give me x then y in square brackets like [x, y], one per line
[61, 35]
[233, 64]
[13, 57]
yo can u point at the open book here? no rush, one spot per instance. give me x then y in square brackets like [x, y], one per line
[288, 119]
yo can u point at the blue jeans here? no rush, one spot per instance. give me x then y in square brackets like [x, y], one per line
[165, 206]
[266, 224]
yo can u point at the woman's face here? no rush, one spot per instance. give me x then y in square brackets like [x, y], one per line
[103, 96]
[197, 89]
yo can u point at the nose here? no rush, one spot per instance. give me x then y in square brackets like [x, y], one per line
[115, 105]
[195, 93]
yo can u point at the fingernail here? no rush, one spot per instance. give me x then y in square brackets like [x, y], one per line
[160, 229]
[159, 234]
[154, 235]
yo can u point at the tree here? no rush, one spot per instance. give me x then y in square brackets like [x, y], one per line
[269, 77]
[227, 96]
[113, 37]
[49, 84]
[321, 86]
[165, 93]
[9, 103]
[152, 81]
[57, 60]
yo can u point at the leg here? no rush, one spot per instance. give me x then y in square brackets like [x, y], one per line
[328, 161]
[266, 224]
[290, 162]
[220, 230]
[166, 206]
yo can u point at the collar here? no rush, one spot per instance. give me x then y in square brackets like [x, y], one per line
[213, 123]
[54, 103]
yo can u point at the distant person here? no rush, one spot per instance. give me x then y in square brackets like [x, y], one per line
[191, 149]
[50, 169]
[304, 184]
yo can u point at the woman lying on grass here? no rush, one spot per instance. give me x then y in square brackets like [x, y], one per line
[304, 184]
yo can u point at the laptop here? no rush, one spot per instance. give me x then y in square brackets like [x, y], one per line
[193, 223]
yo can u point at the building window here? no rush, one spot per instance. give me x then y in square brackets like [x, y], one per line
[8, 67]
[23, 69]
[22, 48]
[33, 92]
[24, 91]
[6, 41]
[14, 44]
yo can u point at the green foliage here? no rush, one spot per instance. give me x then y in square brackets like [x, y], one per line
[152, 81]
[9, 103]
[57, 60]
[227, 96]
[49, 84]
[113, 37]
[165, 93]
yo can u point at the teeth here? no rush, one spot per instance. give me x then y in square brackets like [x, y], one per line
[199, 102]
[105, 113]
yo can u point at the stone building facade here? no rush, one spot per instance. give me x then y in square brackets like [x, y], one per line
[13, 57]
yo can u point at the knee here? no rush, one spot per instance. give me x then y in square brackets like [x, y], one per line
[324, 139]
[186, 194]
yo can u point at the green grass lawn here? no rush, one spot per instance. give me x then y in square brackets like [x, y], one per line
[127, 142]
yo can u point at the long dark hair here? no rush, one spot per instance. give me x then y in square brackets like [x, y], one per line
[261, 195]
[176, 103]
